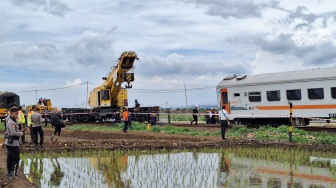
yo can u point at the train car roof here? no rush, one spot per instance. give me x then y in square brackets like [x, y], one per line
[7, 93]
[279, 77]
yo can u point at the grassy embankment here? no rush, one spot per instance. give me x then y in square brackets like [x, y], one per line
[181, 117]
[279, 134]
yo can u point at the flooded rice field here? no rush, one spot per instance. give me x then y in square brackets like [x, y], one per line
[229, 167]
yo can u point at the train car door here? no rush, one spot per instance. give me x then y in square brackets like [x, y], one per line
[225, 100]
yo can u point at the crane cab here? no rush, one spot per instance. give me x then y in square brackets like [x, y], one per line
[102, 98]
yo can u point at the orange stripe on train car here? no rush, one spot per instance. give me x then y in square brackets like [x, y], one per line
[298, 175]
[302, 107]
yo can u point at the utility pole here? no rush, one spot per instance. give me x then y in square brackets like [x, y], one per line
[36, 95]
[87, 93]
[185, 93]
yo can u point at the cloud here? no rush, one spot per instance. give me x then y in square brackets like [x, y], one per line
[239, 9]
[93, 48]
[158, 79]
[301, 12]
[177, 64]
[36, 50]
[76, 82]
[54, 7]
[310, 53]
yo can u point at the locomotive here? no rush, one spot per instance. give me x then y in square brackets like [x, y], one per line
[7, 98]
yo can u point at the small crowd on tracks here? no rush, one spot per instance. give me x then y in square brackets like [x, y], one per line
[212, 117]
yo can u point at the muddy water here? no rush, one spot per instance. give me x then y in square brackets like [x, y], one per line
[222, 168]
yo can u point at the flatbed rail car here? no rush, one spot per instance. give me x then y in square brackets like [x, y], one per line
[110, 114]
[265, 98]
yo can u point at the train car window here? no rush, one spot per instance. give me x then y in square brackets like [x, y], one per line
[236, 94]
[105, 94]
[254, 96]
[273, 95]
[294, 94]
[316, 93]
[333, 92]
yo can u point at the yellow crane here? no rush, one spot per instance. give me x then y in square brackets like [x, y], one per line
[111, 93]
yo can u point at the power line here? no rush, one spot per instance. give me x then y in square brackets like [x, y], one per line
[50, 89]
[171, 91]
[133, 90]
[167, 90]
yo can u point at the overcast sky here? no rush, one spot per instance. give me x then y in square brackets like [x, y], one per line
[47, 44]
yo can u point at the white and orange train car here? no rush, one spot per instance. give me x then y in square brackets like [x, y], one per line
[265, 98]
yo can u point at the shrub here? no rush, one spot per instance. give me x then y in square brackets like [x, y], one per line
[156, 129]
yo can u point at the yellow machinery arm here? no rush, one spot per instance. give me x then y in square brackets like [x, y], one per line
[111, 93]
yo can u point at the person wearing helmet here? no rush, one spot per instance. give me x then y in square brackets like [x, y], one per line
[195, 115]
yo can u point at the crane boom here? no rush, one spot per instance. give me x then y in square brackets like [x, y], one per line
[111, 93]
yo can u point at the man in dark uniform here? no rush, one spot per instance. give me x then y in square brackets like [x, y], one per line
[130, 120]
[195, 115]
[153, 119]
[213, 120]
[12, 142]
[137, 105]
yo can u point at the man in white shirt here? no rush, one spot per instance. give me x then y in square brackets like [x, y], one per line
[224, 119]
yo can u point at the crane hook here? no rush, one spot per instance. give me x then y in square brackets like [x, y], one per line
[128, 85]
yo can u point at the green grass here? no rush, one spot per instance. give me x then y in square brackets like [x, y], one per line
[181, 117]
[113, 127]
[277, 134]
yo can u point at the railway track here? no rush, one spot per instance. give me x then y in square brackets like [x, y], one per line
[145, 123]
[318, 128]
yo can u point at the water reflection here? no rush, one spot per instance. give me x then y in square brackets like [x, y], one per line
[186, 169]
[57, 175]
[173, 170]
[35, 171]
[71, 172]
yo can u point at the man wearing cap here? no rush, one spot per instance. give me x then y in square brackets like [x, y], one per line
[37, 127]
[7, 114]
[12, 142]
[195, 114]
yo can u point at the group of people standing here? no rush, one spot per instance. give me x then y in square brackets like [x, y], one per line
[16, 124]
[211, 116]
[127, 119]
